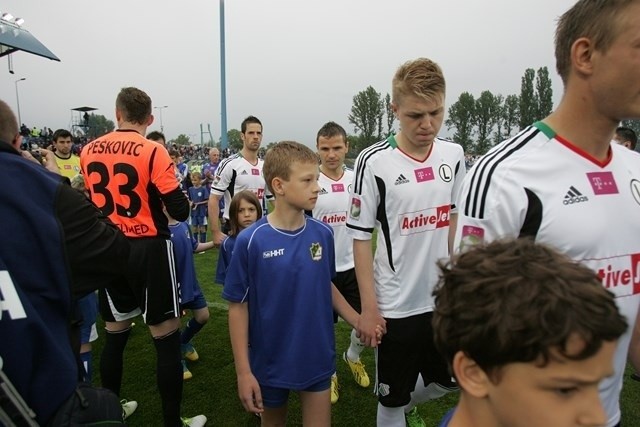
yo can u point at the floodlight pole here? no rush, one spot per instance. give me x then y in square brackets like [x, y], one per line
[161, 108]
[223, 82]
[18, 100]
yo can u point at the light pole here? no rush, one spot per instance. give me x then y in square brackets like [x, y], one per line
[161, 108]
[18, 100]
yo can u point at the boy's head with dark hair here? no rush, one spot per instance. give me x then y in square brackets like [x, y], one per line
[133, 106]
[528, 333]
[627, 137]
[291, 173]
[157, 137]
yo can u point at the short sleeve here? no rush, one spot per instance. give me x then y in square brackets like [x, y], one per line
[236, 282]
[163, 172]
[363, 202]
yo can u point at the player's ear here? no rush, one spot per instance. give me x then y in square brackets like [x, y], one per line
[276, 184]
[582, 56]
[150, 120]
[470, 376]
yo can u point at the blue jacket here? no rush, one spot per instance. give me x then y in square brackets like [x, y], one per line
[56, 245]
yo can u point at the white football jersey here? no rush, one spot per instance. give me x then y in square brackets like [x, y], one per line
[331, 208]
[235, 174]
[409, 202]
[537, 184]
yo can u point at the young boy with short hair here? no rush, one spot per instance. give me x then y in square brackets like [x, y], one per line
[280, 296]
[199, 198]
[529, 335]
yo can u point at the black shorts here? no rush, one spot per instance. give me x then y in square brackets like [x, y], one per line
[150, 288]
[407, 350]
[347, 284]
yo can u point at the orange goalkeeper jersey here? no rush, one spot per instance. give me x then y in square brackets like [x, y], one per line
[126, 174]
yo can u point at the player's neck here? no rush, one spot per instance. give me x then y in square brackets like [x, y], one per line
[334, 174]
[579, 123]
[417, 153]
[471, 412]
[62, 157]
[286, 217]
[250, 156]
[141, 129]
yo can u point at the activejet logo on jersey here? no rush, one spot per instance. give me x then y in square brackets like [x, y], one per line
[620, 275]
[335, 218]
[273, 253]
[337, 188]
[401, 180]
[602, 183]
[574, 196]
[424, 220]
[424, 174]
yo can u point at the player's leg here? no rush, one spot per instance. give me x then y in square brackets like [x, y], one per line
[316, 405]
[88, 306]
[163, 318]
[434, 380]
[118, 306]
[397, 365]
[274, 401]
[347, 284]
[203, 229]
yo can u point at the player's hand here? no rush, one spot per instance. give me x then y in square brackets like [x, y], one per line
[218, 237]
[249, 393]
[370, 328]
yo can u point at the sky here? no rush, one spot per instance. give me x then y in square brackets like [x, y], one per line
[295, 64]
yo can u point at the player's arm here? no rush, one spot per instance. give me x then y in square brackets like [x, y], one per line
[370, 317]
[248, 387]
[96, 249]
[177, 204]
[214, 212]
[205, 246]
[453, 224]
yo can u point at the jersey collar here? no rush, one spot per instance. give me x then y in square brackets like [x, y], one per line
[551, 134]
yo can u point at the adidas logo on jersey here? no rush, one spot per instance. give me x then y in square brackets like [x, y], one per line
[402, 180]
[244, 173]
[574, 196]
[323, 191]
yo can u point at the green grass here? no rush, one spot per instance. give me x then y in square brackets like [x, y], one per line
[212, 391]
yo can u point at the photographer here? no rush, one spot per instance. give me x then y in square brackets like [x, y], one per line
[60, 247]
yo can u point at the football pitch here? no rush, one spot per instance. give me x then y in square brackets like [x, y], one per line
[212, 390]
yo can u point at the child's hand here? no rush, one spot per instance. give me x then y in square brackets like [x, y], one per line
[249, 393]
[380, 331]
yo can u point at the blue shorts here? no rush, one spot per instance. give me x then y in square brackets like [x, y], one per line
[196, 303]
[89, 308]
[273, 397]
[198, 220]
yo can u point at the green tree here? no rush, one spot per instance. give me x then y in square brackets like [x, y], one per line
[354, 145]
[99, 125]
[366, 115]
[499, 120]
[235, 139]
[544, 93]
[487, 109]
[388, 111]
[511, 114]
[461, 118]
[181, 139]
[528, 99]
